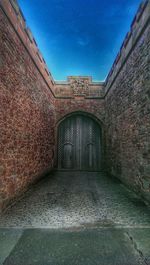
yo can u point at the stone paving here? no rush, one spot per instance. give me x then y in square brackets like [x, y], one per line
[72, 218]
[72, 199]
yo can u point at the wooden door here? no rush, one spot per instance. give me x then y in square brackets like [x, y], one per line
[79, 144]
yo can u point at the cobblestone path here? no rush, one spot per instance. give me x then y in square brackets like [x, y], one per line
[72, 199]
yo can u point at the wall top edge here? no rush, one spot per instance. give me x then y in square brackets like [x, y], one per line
[71, 79]
[16, 17]
[140, 19]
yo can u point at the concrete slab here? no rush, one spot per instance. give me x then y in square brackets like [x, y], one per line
[8, 240]
[108, 246]
[140, 238]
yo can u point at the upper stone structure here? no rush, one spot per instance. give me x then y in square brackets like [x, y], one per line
[79, 86]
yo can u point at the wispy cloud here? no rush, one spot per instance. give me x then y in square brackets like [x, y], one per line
[83, 41]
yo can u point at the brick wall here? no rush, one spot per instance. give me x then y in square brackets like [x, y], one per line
[27, 116]
[93, 107]
[79, 86]
[128, 108]
[32, 104]
[79, 94]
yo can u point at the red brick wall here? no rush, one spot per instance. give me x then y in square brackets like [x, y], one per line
[128, 109]
[26, 117]
[93, 106]
[29, 110]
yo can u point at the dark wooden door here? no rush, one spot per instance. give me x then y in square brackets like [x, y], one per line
[79, 144]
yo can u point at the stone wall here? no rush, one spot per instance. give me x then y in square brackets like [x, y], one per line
[27, 114]
[79, 86]
[127, 105]
[91, 106]
[79, 94]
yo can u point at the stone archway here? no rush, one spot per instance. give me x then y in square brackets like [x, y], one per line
[79, 143]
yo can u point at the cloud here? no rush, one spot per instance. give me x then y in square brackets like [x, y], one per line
[83, 42]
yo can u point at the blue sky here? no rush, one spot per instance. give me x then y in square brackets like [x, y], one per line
[79, 37]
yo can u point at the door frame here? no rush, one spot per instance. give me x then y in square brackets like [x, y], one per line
[102, 136]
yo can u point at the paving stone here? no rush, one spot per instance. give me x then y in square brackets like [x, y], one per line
[73, 199]
[8, 239]
[140, 238]
[92, 247]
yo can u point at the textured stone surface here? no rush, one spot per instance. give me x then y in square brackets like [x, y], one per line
[128, 120]
[8, 240]
[77, 199]
[26, 117]
[76, 218]
[79, 86]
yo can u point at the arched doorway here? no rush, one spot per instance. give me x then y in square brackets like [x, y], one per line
[79, 143]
